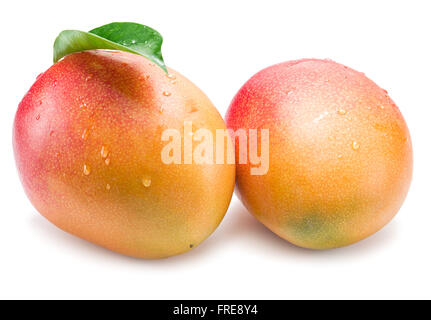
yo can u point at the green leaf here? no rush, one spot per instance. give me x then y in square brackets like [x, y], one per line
[124, 36]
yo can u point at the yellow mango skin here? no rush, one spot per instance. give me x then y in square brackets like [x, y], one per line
[87, 141]
[340, 153]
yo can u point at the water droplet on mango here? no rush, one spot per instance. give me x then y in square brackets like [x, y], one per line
[355, 145]
[146, 182]
[87, 169]
[85, 134]
[104, 152]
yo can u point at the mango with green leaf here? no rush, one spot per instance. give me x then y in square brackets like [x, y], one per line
[87, 143]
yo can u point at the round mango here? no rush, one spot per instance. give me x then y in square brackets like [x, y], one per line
[340, 154]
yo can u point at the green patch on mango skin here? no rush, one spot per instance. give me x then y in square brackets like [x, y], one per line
[316, 231]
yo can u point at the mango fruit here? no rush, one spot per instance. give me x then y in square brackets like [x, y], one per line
[87, 143]
[340, 153]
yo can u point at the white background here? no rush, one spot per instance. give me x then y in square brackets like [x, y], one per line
[219, 45]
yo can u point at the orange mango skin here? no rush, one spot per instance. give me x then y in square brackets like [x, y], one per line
[340, 153]
[123, 197]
